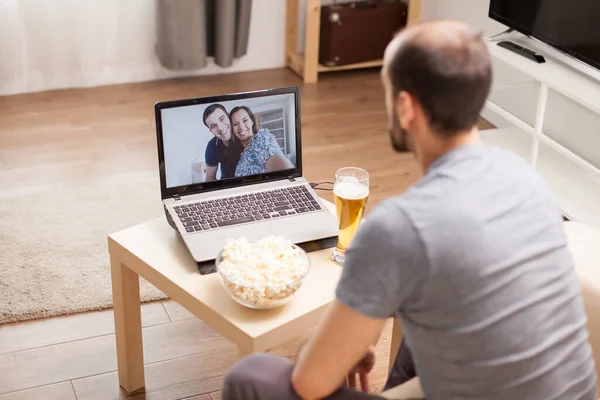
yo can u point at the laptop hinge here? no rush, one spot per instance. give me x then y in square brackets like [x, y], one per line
[176, 197]
[292, 178]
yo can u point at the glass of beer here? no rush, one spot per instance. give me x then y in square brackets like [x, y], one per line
[350, 193]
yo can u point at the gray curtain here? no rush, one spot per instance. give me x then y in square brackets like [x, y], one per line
[190, 31]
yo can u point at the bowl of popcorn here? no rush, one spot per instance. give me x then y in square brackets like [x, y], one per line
[263, 274]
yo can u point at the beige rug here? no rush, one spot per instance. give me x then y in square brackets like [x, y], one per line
[53, 246]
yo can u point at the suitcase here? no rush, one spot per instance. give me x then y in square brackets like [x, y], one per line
[359, 31]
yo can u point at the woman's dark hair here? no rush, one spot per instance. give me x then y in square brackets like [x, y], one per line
[250, 114]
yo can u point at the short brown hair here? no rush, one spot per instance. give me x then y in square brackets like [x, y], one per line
[211, 109]
[450, 77]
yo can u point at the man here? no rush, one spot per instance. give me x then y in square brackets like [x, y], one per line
[473, 258]
[223, 149]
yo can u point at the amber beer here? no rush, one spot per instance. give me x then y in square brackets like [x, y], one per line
[350, 194]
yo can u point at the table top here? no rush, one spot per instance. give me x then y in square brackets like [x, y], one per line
[156, 252]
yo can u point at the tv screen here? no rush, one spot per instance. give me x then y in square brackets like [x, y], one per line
[572, 26]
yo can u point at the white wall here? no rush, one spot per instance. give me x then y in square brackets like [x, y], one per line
[473, 12]
[184, 138]
[54, 44]
[80, 43]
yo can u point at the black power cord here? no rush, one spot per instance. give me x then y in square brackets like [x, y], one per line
[315, 185]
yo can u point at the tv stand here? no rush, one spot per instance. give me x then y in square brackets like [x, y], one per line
[549, 115]
[498, 36]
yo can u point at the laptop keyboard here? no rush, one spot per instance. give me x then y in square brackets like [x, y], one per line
[220, 213]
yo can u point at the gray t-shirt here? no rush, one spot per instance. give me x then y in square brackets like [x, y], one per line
[474, 261]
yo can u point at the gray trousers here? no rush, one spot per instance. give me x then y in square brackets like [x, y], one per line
[265, 377]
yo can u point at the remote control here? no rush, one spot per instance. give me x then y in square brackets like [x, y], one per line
[525, 52]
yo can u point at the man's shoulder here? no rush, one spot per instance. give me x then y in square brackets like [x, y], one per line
[390, 216]
[211, 144]
[464, 196]
[393, 205]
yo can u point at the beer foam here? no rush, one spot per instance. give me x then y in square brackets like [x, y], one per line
[350, 188]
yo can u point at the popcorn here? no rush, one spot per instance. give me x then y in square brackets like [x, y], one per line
[264, 273]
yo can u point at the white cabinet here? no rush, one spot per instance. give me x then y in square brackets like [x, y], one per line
[550, 114]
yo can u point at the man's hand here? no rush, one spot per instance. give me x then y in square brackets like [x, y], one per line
[211, 173]
[363, 369]
[337, 347]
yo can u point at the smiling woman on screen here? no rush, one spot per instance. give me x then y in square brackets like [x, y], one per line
[261, 152]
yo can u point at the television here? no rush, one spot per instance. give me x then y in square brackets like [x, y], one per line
[571, 26]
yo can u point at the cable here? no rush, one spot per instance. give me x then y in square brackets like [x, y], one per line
[315, 185]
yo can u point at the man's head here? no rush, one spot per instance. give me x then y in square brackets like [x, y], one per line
[216, 119]
[437, 76]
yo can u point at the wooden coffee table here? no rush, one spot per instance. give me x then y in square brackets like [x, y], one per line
[155, 251]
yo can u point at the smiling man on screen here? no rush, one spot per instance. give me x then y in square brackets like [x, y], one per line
[473, 258]
[223, 149]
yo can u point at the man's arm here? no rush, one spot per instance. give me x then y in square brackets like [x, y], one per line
[339, 344]
[211, 173]
[273, 157]
[382, 274]
[212, 162]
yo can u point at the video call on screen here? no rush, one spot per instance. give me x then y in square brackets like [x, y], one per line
[229, 139]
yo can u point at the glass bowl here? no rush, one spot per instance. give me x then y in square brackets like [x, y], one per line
[265, 296]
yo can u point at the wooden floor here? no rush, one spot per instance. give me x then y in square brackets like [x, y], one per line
[63, 138]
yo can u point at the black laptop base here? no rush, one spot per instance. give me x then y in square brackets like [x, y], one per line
[208, 267]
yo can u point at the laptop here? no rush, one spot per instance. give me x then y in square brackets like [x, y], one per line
[231, 167]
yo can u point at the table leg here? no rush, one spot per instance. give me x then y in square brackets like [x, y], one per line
[242, 353]
[128, 325]
[396, 340]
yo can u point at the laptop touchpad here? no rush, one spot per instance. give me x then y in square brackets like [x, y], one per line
[252, 232]
[206, 246]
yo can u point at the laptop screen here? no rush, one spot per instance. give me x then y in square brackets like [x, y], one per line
[210, 141]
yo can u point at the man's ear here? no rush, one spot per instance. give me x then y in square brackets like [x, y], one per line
[405, 109]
